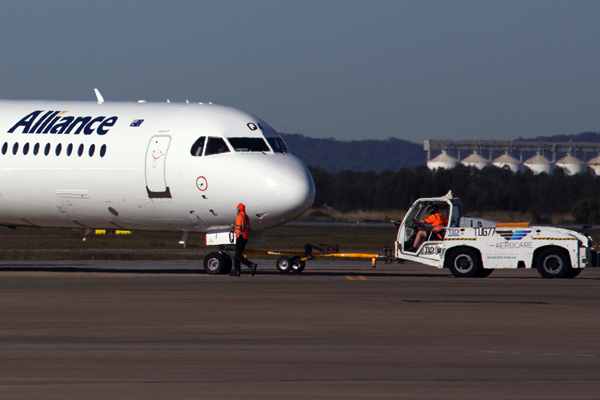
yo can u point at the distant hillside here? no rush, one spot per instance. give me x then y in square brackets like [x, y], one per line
[358, 155]
[581, 137]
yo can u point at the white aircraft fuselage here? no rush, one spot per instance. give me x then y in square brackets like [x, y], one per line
[144, 166]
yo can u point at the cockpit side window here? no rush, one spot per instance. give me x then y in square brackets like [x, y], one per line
[248, 144]
[278, 145]
[216, 145]
[198, 146]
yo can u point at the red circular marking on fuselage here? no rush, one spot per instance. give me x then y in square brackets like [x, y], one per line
[201, 183]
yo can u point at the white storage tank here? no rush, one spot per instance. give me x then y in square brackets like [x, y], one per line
[572, 165]
[539, 164]
[594, 165]
[475, 160]
[506, 160]
[443, 160]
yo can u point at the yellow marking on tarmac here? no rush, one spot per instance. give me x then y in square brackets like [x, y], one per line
[356, 278]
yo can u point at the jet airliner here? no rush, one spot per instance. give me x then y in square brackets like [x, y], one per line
[145, 166]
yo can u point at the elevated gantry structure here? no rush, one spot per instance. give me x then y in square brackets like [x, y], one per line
[539, 163]
[510, 146]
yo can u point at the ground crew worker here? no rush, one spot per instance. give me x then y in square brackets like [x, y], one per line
[438, 221]
[242, 228]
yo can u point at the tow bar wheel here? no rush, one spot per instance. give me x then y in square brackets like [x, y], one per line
[297, 264]
[284, 264]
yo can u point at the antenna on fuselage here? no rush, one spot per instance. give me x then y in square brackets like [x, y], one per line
[99, 96]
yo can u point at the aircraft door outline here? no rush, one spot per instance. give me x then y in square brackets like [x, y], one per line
[156, 160]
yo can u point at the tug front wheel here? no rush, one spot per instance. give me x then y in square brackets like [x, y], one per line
[465, 263]
[554, 263]
[573, 273]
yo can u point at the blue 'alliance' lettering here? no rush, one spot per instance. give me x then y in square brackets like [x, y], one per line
[52, 122]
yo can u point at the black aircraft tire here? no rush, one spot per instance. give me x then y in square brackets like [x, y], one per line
[228, 264]
[465, 263]
[553, 263]
[214, 263]
[284, 264]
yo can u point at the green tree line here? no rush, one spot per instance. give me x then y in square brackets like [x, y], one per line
[357, 155]
[489, 189]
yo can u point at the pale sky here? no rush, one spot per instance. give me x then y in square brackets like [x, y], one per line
[348, 69]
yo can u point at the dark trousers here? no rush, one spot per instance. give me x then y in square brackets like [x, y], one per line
[240, 243]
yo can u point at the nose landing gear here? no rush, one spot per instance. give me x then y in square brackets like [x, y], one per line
[217, 263]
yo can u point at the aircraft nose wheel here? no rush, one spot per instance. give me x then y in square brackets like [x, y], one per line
[217, 263]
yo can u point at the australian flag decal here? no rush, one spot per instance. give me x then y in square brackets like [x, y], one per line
[136, 123]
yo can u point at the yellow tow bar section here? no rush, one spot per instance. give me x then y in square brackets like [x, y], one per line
[295, 260]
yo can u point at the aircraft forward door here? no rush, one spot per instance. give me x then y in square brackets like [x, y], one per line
[156, 160]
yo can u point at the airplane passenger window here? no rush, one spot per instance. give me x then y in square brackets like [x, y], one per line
[102, 150]
[248, 144]
[198, 146]
[47, 149]
[26, 149]
[216, 145]
[80, 150]
[15, 148]
[91, 150]
[58, 149]
[36, 149]
[69, 149]
[4, 148]
[278, 145]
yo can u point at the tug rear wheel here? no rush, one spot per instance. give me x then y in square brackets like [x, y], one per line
[485, 272]
[465, 263]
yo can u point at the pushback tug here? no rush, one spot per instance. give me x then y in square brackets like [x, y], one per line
[471, 247]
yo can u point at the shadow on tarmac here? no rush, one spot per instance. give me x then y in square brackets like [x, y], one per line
[200, 271]
[81, 268]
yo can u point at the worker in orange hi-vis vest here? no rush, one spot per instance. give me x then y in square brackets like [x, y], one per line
[242, 228]
[438, 221]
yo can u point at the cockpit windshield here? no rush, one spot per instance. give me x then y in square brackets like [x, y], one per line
[215, 145]
[248, 144]
[278, 145]
[198, 146]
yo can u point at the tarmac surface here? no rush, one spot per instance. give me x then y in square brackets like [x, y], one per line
[164, 330]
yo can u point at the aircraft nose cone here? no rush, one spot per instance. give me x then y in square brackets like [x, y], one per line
[288, 191]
